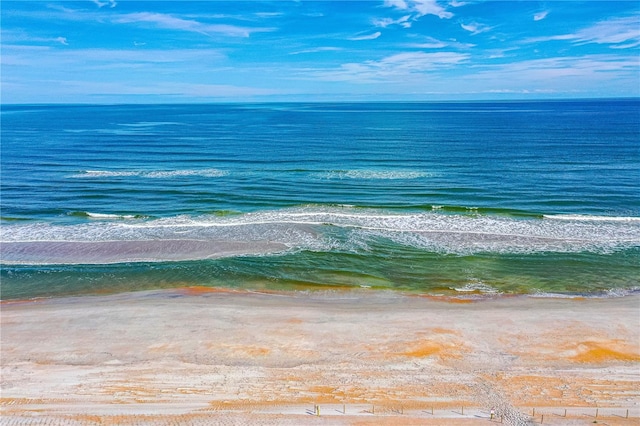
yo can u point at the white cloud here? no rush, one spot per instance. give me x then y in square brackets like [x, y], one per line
[587, 74]
[167, 89]
[183, 22]
[386, 22]
[48, 74]
[394, 68]
[434, 43]
[268, 14]
[618, 32]
[317, 49]
[431, 7]
[21, 56]
[420, 8]
[420, 61]
[540, 15]
[110, 3]
[175, 23]
[67, 60]
[475, 28]
[22, 37]
[625, 46]
[398, 4]
[366, 37]
[499, 53]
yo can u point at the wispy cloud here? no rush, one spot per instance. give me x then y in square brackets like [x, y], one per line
[110, 3]
[366, 36]
[434, 43]
[197, 23]
[175, 23]
[583, 73]
[66, 60]
[618, 32]
[268, 14]
[499, 53]
[431, 7]
[475, 28]
[399, 4]
[614, 31]
[317, 50]
[385, 47]
[540, 15]
[22, 37]
[392, 68]
[419, 8]
[156, 89]
[386, 22]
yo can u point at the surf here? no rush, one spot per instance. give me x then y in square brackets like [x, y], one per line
[148, 174]
[319, 229]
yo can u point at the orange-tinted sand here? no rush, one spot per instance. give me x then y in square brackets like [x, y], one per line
[210, 356]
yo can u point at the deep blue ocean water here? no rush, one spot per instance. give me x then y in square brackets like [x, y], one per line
[438, 198]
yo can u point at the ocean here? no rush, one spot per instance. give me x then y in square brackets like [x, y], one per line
[464, 199]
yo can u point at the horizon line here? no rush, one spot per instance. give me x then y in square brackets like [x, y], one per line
[341, 101]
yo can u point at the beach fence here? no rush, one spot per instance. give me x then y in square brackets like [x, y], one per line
[550, 416]
[536, 415]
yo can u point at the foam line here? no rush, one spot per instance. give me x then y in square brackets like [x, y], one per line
[108, 252]
[343, 229]
[148, 174]
[589, 218]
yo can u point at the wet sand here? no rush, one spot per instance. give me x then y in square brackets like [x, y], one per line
[207, 356]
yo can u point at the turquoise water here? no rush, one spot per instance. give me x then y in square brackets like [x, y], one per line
[437, 198]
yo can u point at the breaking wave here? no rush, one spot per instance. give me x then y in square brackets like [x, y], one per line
[591, 218]
[107, 216]
[315, 229]
[150, 174]
[376, 174]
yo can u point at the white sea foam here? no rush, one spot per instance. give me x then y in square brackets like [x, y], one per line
[590, 218]
[549, 295]
[105, 173]
[376, 174]
[178, 173]
[347, 229]
[151, 124]
[475, 286]
[106, 252]
[149, 174]
[610, 293]
[110, 216]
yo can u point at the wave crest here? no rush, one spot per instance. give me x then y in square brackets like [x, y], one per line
[376, 174]
[149, 174]
[325, 230]
[107, 216]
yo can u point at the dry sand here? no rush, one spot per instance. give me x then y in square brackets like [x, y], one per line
[202, 356]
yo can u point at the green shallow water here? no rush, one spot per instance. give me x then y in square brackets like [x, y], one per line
[484, 274]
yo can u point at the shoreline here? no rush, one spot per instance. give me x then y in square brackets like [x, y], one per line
[451, 296]
[201, 353]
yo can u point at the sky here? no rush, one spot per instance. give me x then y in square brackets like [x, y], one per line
[122, 51]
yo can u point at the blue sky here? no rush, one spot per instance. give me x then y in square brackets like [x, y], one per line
[110, 51]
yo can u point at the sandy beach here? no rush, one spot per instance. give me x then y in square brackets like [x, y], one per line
[207, 356]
